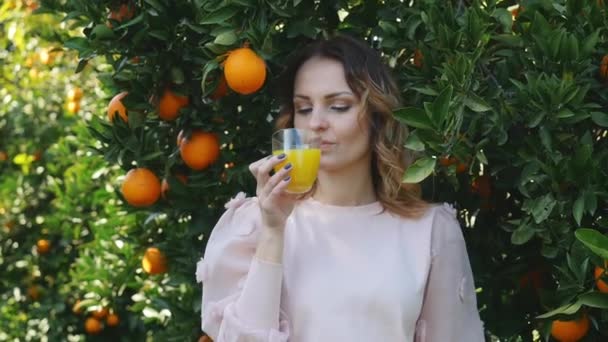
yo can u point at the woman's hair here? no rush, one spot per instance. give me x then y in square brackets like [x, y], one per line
[370, 79]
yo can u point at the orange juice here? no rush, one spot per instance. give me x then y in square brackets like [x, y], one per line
[305, 164]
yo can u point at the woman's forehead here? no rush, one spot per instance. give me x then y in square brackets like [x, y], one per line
[320, 77]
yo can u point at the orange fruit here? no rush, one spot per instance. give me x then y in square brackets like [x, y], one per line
[461, 167]
[570, 331]
[170, 104]
[73, 107]
[220, 91]
[164, 187]
[3, 156]
[516, 11]
[112, 320]
[37, 155]
[101, 313]
[154, 261]
[116, 105]
[75, 94]
[418, 58]
[482, 186]
[245, 71]
[124, 12]
[92, 326]
[33, 292]
[200, 150]
[604, 68]
[141, 187]
[205, 338]
[447, 161]
[43, 246]
[602, 286]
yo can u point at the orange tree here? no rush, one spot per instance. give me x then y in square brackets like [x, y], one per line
[65, 242]
[506, 101]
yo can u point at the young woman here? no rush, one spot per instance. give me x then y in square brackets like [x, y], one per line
[359, 258]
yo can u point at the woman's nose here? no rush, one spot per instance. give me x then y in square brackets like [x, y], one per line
[317, 121]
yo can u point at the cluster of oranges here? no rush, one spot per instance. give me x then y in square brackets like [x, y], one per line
[244, 73]
[73, 98]
[94, 324]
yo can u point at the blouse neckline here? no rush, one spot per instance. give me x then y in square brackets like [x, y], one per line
[370, 208]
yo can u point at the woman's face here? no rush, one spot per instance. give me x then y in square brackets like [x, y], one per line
[324, 103]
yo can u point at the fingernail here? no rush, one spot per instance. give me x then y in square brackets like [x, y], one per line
[287, 179]
[281, 156]
[288, 166]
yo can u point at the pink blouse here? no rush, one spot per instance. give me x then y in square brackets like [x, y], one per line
[348, 274]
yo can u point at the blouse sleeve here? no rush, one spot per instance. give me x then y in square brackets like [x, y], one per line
[241, 294]
[449, 310]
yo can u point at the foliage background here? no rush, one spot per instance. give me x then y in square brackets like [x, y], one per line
[508, 116]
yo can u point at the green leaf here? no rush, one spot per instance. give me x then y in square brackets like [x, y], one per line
[522, 234]
[600, 119]
[588, 45]
[414, 143]
[426, 91]
[594, 240]
[594, 299]
[540, 208]
[177, 75]
[418, 171]
[226, 38]
[503, 16]
[568, 309]
[160, 34]
[578, 208]
[102, 32]
[476, 103]
[414, 117]
[441, 106]
[219, 16]
[78, 44]
[154, 3]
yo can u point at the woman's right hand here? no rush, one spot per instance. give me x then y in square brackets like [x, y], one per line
[275, 203]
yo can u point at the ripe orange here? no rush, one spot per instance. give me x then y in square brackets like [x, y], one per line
[164, 187]
[3, 156]
[570, 331]
[245, 71]
[33, 292]
[447, 161]
[43, 246]
[100, 313]
[604, 68]
[602, 286]
[141, 187]
[75, 94]
[154, 261]
[170, 104]
[116, 105]
[112, 320]
[482, 185]
[418, 58]
[73, 107]
[205, 338]
[92, 326]
[462, 167]
[200, 150]
[220, 91]
[516, 11]
[124, 12]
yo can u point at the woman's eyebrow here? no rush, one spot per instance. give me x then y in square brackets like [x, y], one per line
[328, 96]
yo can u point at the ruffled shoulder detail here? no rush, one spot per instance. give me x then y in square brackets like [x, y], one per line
[236, 201]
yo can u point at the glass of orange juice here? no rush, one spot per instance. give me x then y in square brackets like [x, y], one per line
[302, 150]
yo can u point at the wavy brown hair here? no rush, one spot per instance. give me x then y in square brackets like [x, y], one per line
[372, 83]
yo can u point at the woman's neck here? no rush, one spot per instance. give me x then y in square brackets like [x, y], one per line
[346, 187]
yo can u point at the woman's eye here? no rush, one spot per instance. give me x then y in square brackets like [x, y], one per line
[303, 110]
[340, 108]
